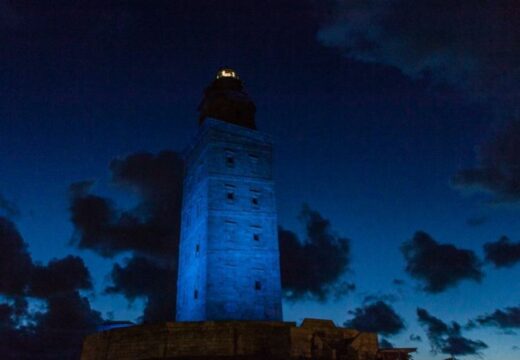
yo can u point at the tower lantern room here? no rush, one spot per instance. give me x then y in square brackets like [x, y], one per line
[225, 99]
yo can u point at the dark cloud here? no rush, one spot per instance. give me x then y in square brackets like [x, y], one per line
[80, 189]
[5, 315]
[59, 276]
[337, 290]
[458, 345]
[503, 252]
[314, 266]
[152, 227]
[398, 282]
[390, 298]
[467, 44]
[506, 319]
[150, 231]
[414, 337]
[447, 338]
[472, 46]
[57, 332]
[108, 232]
[150, 278]
[376, 317]
[498, 169]
[158, 178]
[8, 208]
[385, 344]
[19, 276]
[439, 266]
[15, 262]
[12, 339]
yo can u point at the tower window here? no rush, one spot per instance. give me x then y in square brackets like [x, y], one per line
[230, 230]
[230, 158]
[258, 285]
[197, 248]
[256, 230]
[196, 294]
[230, 192]
[255, 195]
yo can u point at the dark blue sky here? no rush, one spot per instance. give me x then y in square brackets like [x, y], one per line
[376, 112]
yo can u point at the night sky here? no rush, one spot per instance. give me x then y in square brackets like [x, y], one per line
[397, 161]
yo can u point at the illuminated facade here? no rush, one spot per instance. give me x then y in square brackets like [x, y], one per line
[229, 259]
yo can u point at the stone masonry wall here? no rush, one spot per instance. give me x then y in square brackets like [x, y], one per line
[229, 259]
[314, 339]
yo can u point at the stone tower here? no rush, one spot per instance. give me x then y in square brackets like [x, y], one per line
[228, 258]
[228, 261]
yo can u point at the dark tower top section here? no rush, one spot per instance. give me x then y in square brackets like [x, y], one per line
[225, 99]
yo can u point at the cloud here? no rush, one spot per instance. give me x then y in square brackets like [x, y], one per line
[447, 339]
[59, 276]
[149, 232]
[8, 208]
[469, 45]
[439, 266]
[503, 252]
[509, 318]
[398, 282]
[390, 298]
[150, 278]
[58, 331]
[498, 169]
[15, 262]
[385, 344]
[80, 189]
[152, 227]
[313, 267]
[416, 338]
[19, 276]
[377, 317]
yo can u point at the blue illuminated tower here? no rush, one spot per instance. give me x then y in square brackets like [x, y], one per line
[228, 259]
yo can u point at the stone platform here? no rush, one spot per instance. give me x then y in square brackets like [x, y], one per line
[314, 339]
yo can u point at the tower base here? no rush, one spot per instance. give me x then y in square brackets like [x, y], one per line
[232, 340]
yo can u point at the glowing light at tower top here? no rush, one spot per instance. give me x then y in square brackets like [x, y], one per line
[227, 73]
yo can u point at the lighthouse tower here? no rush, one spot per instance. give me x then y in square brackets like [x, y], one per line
[228, 259]
[229, 266]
